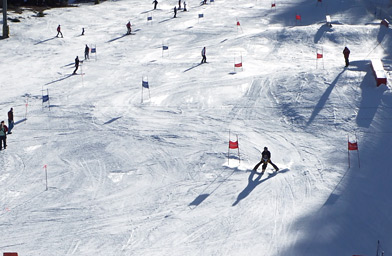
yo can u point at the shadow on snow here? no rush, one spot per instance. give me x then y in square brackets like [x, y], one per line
[253, 182]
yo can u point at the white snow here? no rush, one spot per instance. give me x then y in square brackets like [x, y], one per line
[138, 175]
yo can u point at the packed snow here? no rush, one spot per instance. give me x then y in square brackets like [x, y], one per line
[108, 167]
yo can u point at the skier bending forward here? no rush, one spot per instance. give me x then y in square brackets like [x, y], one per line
[265, 159]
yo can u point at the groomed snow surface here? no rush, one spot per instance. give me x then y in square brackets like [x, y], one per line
[147, 174]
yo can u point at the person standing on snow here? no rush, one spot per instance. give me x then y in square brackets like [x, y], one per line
[203, 54]
[59, 31]
[3, 135]
[155, 2]
[175, 12]
[86, 52]
[76, 64]
[346, 53]
[10, 120]
[129, 28]
[185, 7]
[265, 160]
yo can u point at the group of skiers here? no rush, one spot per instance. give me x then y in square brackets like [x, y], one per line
[5, 130]
[179, 8]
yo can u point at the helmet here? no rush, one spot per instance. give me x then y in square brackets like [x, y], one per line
[265, 148]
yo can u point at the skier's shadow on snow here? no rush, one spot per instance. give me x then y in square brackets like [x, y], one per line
[40, 42]
[114, 39]
[321, 103]
[58, 80]
[112, 120]
[253, 182]
[195, 66]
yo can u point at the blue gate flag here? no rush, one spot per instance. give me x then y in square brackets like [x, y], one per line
[201, 15]
[145, 84]
[45, 98]
[164, 47]
[149, 18]
[93, 50]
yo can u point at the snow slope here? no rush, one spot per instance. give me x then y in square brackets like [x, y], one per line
[133, 174]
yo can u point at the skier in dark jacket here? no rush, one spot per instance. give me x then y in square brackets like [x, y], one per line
[86, 52]
[155, 2]
[3, 135]
[346, 53]
[203, 55]
[129, 30]
[265, 160]
[59, 31]
[175, 12]
[10, 120]
[76, 64]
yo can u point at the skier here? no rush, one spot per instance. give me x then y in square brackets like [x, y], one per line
[76, 64]
[86, 52]
[59, 31]
[129, 28]
[203, 54]
[346, 53]
[175, 12]
[155, 2]
[179, 4]
[3, 135]
[265, 159]
[185, 7]
[82, 31]
[10, 120]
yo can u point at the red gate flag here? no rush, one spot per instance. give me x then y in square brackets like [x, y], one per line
[238, 23]
[298, 17]
[319, 55]
[273, 5]
[239, 65]
[352, 146]
[233, 144]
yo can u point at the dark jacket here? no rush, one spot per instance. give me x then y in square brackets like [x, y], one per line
[266, 155]
[346, 52]
[10, 115]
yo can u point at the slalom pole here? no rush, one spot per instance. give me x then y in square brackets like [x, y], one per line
[228, 150]
[27, 103]
[348, 151]
[42, 92]
[239, 158]
[47, 91]
[142, 91]
[46, 176]
[356, 140]
[81, 71]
